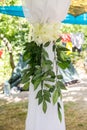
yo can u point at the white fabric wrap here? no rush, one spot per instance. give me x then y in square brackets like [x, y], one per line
[36, 118]
[45, 11]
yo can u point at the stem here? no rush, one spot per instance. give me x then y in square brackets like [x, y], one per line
[41, 65]
[55, 60]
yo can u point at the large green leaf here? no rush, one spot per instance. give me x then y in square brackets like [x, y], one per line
[44, 106]
[40, 100]
[50, 79]
[39, 94]
[59, 76]
[36, 77]
[64, 64]
[63, 56]
[36, 83]
[47, 44]
[60, 48]
[59, 111]
[25, 78]
[55, 96]
[47, 98]
[51, 73]
[47, 93]
[61, 85]
[26, 86]
[58, 40]
[44, 53]
[48, 85]
[52, 89]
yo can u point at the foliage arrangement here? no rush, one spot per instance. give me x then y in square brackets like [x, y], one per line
[39, 72]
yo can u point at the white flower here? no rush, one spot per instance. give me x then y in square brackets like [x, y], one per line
[43, 33]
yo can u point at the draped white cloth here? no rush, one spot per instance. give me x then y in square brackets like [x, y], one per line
[44, 11]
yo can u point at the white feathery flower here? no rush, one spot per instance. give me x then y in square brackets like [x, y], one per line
[43, 33]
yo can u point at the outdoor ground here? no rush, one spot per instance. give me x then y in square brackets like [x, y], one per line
[75, 101]
[13, 110]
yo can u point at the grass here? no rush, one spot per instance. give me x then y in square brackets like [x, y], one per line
[75, 116]
[13, 116]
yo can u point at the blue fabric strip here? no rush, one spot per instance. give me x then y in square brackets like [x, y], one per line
[12, 10]
[18, 11]
[80, 19]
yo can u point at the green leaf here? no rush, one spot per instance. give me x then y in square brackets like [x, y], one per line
[54, 47]
[47, 93]
[52, 89]
[36, 83]
[40, 100]
[52, 74]
[38, 71]
[50, 79]
[59, 111]
[47, 98]
[48, 85]
[44, 106]
[55, 96]
[47, 66]
[44, 77]
[61, 48]
[49, 62]
[63, 56]
[63, 65]
[59, 76]
[47, 44]
[36, 77]
[59, 93]
[44, 52]
[60, 115]
[61, 85]
[39, 94]
[26, 86]
[59, 106]
[58, 40]
[25, 78]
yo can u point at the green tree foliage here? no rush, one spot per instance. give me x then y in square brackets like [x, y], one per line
[14, 29]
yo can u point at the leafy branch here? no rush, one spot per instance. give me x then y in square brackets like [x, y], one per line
[40, 70]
